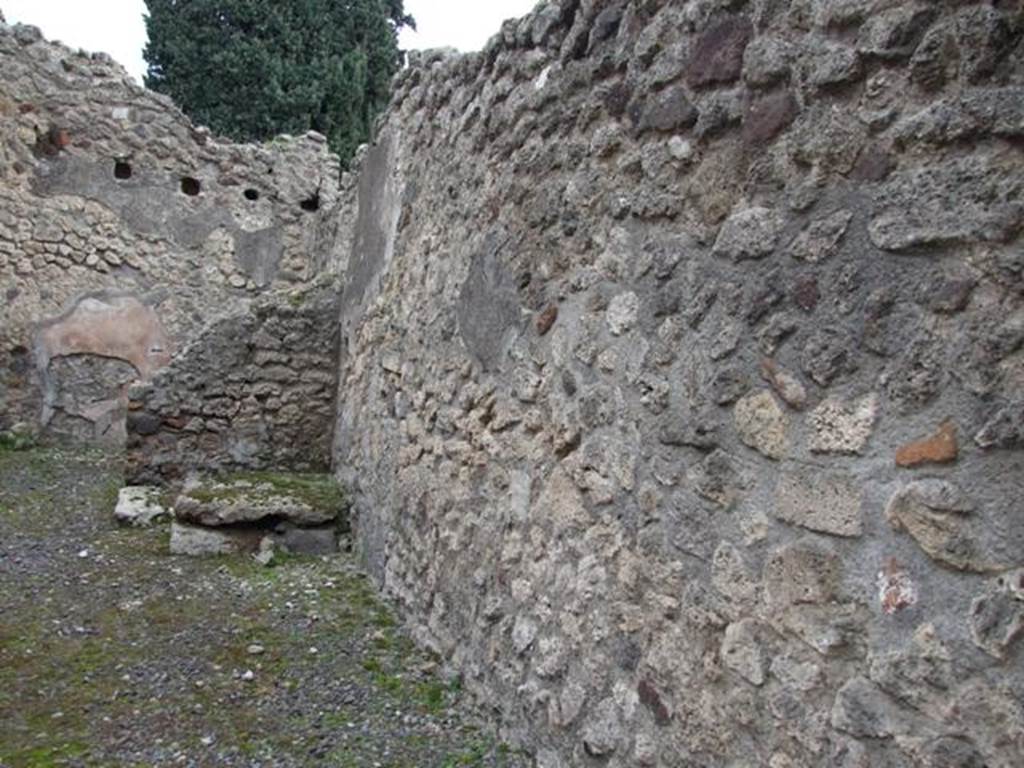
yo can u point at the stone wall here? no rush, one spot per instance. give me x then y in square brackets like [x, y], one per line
[124, 230]
[681, 380]
[254, 391]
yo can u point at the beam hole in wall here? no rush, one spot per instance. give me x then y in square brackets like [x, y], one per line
[311, 204]
[251, 194]
[190, 186]
[122, 170]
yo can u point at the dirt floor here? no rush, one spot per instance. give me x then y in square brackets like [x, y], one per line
[115, 653]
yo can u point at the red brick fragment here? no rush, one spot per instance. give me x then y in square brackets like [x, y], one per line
[939, 448]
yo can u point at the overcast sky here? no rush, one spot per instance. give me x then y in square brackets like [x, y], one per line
[118, 28]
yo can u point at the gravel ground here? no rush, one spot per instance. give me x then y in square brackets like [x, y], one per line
[115, 653]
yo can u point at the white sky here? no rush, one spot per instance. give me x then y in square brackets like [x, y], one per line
[116, 26]
[462, 24]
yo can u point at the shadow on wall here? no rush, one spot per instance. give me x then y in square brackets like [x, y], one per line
[87, 358]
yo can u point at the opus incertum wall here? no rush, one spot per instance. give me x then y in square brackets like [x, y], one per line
[682, 380]
[124, 230]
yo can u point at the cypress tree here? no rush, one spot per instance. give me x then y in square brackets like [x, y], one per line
[252, 69]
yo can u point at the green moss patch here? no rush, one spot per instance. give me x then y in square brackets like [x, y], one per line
[317, 491]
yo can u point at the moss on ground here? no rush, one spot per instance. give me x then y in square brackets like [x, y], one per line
[318, 491]
[128, 644]
[12, 441]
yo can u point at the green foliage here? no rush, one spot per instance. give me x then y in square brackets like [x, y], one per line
[252, 69]
[318, 491]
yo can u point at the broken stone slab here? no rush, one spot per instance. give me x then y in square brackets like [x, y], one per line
[302, 499]
[200, 540]
[139, 506]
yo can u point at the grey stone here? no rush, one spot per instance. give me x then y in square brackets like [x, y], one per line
[716, 478]
[266, 554]
[668, 111]
[197, 540]
[798, 675]
[750, 233]
[742, 651]
[142, 423]
[862, 710]
[832, 631]
[603, 733]
[917, 374]
[935, 60]
[766, 116]
[936, 516]
[785, 384]
[139, 506]
[917, 672]
[321, 540]
[825, 503]
[606, 24]
[842, 426]
[997, 615]
[697, 429]
[985, 38]
[732, 578]
[1004, 429]
[968, 199]
[827, 355]
[828, 138]
[805, 572]
[949, 294]
[821, 238]
[623, 312]
[762, 424]
[717, 54]
[831, 64]
[895, 33]
[971, 115]
[488, 307]
[728, 385]
[766, 60]
[952, 752]
[719, 112]
[27, 34]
